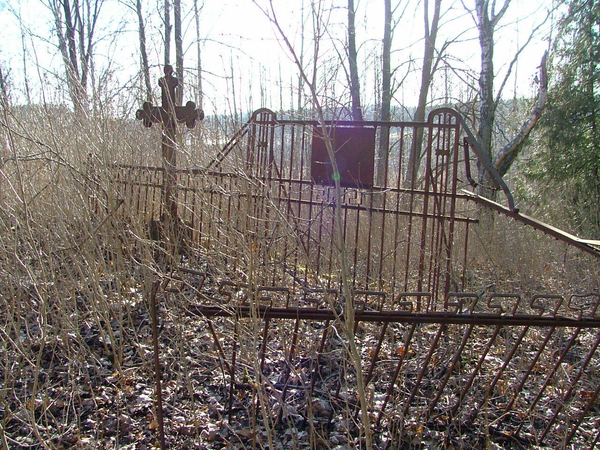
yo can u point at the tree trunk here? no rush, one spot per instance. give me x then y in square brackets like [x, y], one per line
[3, 90]
[167, 19]
[427, 72]
[143, 50]
[75, 24]
[487, 107]
[357, 114]
[25, 58]
[506, 156]
[178, 51]
[300, 86]
[386, 92]
[487, 110]
[199, 93]
[70, 56]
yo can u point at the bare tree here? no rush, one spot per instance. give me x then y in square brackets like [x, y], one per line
[388, 87]
[386, 71]
[143, 50]
[507, 155]
[300, 86]
[386, 90]
[25, 56]
[167, 36]
[3, 89]
[357, 114]
[487, 19]
[136, 7]
[75, 24]
[428, 70]
[199, 92]
[178, 51]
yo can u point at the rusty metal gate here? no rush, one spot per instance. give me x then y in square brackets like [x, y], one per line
[257, 205]
[466, 355]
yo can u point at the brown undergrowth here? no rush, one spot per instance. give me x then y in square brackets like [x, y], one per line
[76, 350]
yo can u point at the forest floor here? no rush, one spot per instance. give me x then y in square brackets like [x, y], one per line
[90, 383]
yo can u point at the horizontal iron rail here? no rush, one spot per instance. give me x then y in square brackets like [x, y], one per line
[370, 190]
[353, 124]
[390, 212]
[482, 319]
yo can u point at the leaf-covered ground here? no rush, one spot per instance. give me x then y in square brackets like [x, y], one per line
[81, 374]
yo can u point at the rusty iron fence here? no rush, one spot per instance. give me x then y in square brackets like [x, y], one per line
[444, 352]
[257, 205]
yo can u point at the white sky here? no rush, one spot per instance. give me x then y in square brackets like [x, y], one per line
[246, 66]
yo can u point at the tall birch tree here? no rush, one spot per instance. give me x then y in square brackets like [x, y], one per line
[487, 19]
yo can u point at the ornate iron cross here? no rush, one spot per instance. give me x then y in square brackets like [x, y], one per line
[169, 114]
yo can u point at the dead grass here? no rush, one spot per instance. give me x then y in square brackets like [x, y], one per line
[75, 342]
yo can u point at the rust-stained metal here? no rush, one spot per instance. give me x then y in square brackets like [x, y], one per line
[501, 353]
[400, 238]
[587, 245]
[354, 149]
[439, 349]
[322, 315]
[169, 114]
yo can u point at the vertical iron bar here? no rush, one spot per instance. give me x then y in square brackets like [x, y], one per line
[553, 371]
[577, 421]
[396, 373]
[233, 358]
[450, 369]
[157, 371]
[572, 384]
[288, 366]
[529, 369]
[376, 353]
[475, 371]
[318, 359]
[417, 385]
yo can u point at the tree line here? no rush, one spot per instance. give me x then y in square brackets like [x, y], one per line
[561, 112]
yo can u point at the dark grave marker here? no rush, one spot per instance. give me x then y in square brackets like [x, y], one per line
[354, 149]
[169, 114]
